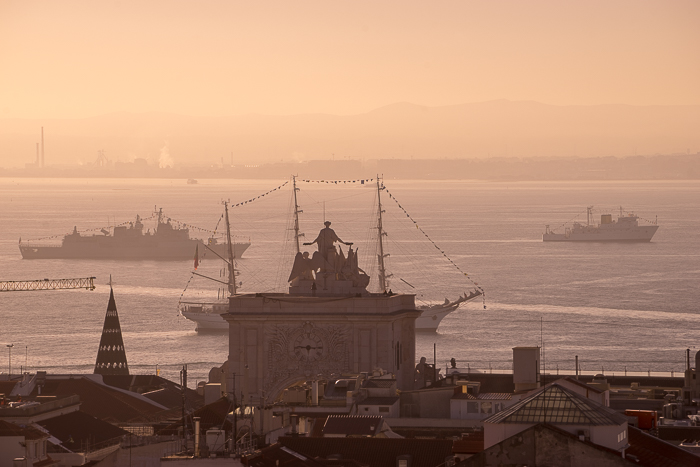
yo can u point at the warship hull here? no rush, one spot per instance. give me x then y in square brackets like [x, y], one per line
[638, 234]
[105, 248]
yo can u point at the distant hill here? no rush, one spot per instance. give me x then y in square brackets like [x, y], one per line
[499, 128]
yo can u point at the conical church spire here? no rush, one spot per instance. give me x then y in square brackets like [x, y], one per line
[111, 356]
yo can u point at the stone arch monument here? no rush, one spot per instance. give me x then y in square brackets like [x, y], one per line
[327, 325]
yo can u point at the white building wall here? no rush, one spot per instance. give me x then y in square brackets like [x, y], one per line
[393, 411]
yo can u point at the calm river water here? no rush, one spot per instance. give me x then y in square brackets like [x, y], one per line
[616, 306]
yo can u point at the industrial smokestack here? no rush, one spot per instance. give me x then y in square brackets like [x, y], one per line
[42, 146]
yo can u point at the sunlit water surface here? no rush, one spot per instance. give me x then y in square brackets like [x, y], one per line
[616, 306]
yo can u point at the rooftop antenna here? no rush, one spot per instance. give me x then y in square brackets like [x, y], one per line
[298, 211]
[380, 230]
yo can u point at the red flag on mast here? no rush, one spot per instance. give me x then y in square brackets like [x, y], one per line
[196, 257]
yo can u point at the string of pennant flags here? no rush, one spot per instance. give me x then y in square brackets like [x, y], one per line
[432, 242]
[259, 196]
[199, 257]
[567, 222]
[361, 181]
[639, 217]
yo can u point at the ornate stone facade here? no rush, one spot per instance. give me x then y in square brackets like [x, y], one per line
[276, 340]
[328, 325]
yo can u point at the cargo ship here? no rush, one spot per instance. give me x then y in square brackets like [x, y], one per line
[625, 229]
[130, 242]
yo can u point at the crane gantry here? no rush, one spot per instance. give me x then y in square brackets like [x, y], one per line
[48, 284]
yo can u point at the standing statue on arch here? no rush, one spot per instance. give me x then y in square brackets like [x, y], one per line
[330, 266]
[325, 241]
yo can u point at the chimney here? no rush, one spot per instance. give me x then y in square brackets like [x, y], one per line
[526, 368]
[196, 436]
[314, 392]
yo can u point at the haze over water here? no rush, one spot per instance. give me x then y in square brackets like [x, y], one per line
[616, 306]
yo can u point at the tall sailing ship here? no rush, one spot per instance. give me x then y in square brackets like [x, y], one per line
[207, 315]
[166, 242]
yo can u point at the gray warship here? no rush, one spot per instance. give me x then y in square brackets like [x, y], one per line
[130, 242]
[625, 229]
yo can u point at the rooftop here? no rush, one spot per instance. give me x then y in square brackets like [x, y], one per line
[28, 432]
[353, 425]
[558, 405]
[374, 452]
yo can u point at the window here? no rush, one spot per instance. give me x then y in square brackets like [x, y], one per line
[383, 409]
[486, 407]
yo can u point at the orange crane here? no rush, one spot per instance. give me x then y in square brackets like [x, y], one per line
[48, 284]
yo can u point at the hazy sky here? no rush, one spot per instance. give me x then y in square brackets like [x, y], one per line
[74, 58]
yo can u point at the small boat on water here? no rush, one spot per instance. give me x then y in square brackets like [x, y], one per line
[625, 229]
[129, 242]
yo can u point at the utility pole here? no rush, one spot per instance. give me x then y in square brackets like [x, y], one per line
[183, 380]
[235, 414]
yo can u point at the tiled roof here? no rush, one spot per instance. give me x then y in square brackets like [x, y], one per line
[276, 455]
[101, 401]
[380, 383]
[653, 452]
[379, 401]
[78, 429]
[212, 415]
[375, 452]
[165, 397]
[45, 463]
[464, 395]
[470, 443]
[144, 384]
[10, 429]
[6, 387]
[353, 425]
[558, 405]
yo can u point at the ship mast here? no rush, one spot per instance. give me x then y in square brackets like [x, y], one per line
[297, 211]
[380, 229]
[231, 266]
